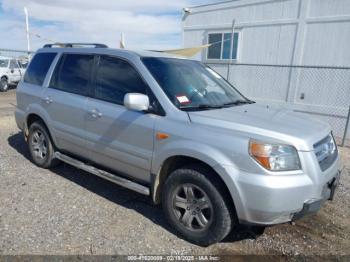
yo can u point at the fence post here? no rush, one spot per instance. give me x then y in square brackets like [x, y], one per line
[346, 128]
[231, 47]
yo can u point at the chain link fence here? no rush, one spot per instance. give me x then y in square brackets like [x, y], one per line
[15, 53]
[320, 91]
[22, 56]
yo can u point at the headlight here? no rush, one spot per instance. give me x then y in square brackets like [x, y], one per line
[275, 157]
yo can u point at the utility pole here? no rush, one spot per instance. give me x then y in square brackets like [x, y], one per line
[231, 48]
[27, 30]
[121, 42]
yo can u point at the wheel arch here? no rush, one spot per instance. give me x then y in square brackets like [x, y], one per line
[34, 117]
[177, 161]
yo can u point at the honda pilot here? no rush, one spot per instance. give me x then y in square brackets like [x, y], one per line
[173, 129]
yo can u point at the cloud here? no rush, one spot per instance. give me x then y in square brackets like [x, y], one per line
[147, 24]
[151, 6]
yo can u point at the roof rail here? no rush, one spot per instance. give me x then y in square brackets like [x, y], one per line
[95, 45]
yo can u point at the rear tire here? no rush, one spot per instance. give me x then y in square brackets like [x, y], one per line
[40, 146]
[4, 85]
[202, 215]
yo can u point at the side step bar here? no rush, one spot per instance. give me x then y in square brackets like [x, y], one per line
[101, 173]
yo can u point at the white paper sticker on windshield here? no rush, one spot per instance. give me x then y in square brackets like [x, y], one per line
[182, 99]
[213, 73]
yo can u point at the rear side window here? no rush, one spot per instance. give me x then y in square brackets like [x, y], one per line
[115, 78]
[13, 64]
[38, 68]
[4, 62]
[72, 74]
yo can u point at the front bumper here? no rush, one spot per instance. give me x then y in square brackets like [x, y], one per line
[274, 199]
[313, 206]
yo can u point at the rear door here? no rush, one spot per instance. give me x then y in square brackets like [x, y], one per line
[65, 101]
[15, 73]
[119, 139]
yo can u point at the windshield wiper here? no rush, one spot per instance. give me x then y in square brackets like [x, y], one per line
[200, 107]
[208, 106]
[239, 102]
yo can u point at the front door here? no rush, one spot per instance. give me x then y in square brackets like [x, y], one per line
[119, 139]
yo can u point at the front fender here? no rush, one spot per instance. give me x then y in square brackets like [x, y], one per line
[205, 153]
[202, 152]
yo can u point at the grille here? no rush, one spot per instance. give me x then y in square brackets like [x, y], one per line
[326, 152]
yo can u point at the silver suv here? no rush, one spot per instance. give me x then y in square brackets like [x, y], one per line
[175, 130]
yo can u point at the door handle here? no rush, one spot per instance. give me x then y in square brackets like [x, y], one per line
[95, 113]
[48, 100]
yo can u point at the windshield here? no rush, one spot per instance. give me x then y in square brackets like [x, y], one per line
[4, 62]
[192, 85]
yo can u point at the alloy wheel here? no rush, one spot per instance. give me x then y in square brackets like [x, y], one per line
[39, 145]
[192, 207]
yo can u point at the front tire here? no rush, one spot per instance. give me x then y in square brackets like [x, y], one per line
[194, 206]
[40, 146]
[4, 85]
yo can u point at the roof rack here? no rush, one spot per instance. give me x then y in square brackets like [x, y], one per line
[95, 45]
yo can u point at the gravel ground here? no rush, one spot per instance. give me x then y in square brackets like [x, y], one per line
[67, 211]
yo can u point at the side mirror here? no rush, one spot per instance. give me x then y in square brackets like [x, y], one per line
[136, 102]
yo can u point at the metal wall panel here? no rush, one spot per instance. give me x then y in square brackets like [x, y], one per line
[243, 11]
[319, 8]
[284, 32]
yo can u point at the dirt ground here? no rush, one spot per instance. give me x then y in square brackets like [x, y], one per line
[67, 211]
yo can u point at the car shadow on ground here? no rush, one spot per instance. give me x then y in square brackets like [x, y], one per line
[121, 196]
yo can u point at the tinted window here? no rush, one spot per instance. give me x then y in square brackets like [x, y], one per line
[72, 73]
[38, 68]
[115, 78]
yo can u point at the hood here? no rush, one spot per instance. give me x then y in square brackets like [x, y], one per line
[269, 122]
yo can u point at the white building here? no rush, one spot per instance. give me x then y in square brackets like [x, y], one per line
[279, 32]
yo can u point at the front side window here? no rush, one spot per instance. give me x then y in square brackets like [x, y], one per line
[115, 78]
[72, 74]
[38, 68]
[221, 46]
[192, 85]
[13, 64]
[4, 63]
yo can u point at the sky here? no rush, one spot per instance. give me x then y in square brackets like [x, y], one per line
[146, 24]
